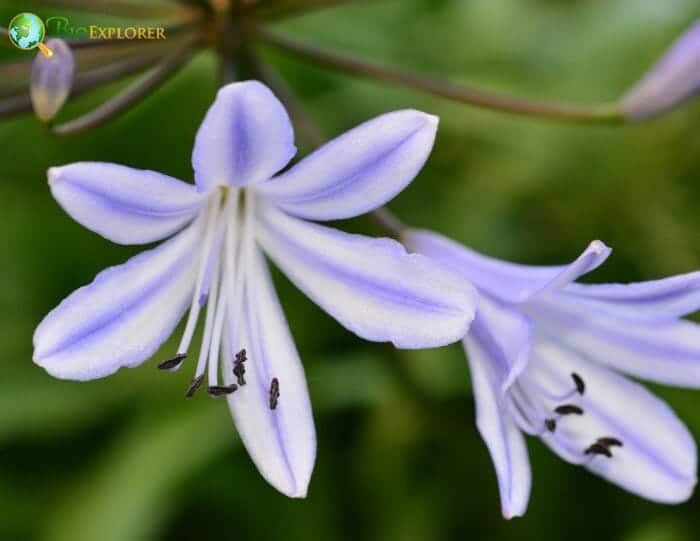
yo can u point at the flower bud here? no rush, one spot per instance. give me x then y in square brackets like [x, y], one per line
[674, 80]
[52, 79]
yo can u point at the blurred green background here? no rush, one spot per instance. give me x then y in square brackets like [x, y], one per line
[399, 458]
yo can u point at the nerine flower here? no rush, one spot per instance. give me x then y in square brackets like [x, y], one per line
[213, 263]
[547, 354]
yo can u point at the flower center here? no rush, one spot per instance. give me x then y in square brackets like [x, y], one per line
[227, 243]
[537, 411]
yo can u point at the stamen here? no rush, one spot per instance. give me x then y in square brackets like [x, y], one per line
[568, 409]
[215, 345]
[212, 262]
[221, 390]
[274, 393]
[194, 385]
[238, 250]
[609, 442]
[580, 384]
[213, 210]
[239, 368]
[172, 363]
[208, 325]
[598, 449]
[551, 424]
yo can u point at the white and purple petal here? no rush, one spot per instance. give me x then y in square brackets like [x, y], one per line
[651, 301]
[508, 282]
[281, 441]
[665, 352]
[508, 335]
[371, 286]
[502, 436]
[246, 137]
[124, 315]
[358, 171]
[657, 459]
[672, 81]
[124, 205]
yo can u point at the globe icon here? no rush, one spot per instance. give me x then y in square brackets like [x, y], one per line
[26, 31]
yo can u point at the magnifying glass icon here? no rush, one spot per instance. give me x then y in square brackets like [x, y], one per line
[27, 31]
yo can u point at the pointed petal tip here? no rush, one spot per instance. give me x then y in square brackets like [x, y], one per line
[670, 83]
[358, 171]
[53, 174]
[248, 118]
[598, 247]
[59, 372]
[289, 490]
[510, 514]
[432, 119]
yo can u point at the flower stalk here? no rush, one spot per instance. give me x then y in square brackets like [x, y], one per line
[131, 95]
[345, 63]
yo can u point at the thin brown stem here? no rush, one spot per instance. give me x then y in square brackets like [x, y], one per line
[471, 96]
[130, 96]
[127, 8]
[388, 221]
[15, 105]
[227, 43]
[112, 72]
[289, 8]
[84, 82]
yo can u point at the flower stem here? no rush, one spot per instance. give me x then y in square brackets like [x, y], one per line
[15, 105]
[126, 9]
[289, 8]
[121, 102]
[343, 62]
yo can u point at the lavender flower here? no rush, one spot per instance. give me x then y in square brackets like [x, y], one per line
[214, 259]
[52, 79]
[546, 356]
[674, 80]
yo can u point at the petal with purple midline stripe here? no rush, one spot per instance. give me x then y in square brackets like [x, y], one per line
[358, 171]
[508, 282]
[658, 457]
[665, 352]
[509, 334]
[504, 440]
[651, 301]
[673, 80]
[371, 286]
[124, 315]
[281, 441]
[124, 205]
[246, 137]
